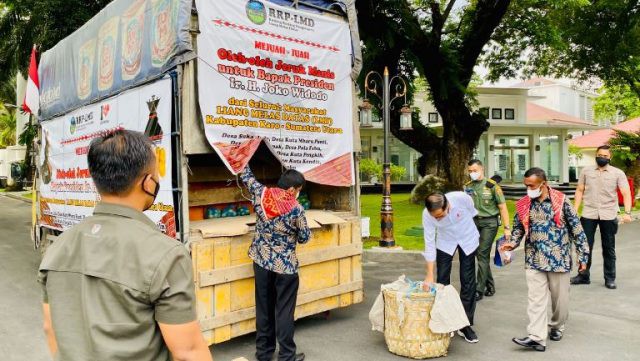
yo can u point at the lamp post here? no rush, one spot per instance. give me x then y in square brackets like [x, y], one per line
[381, 86]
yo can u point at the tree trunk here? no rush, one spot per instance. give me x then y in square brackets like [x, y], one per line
[462, 131]
[454, 161]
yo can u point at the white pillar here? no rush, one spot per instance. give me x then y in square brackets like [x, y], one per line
[535, 154]
[564, 153]
[491, 162]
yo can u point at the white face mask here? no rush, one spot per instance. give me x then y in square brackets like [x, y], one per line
[474, 176]
[534, 193]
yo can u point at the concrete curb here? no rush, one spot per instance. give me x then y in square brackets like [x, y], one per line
[383, 256]
[17, 197]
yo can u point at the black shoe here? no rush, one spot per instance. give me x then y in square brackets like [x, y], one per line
[468, 334]
[299, 357]
[479, 296]
[555, 334]
[610, 285]
[527, 342]
[490, 291]
[580, 280]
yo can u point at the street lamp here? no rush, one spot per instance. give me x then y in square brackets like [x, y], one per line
[366, 114]
[381, 86]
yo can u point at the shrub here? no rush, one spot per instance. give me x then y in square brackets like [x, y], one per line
[370, 168]
[397, 172]
[427, 185]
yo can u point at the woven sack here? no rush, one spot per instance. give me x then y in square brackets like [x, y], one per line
[406, 332]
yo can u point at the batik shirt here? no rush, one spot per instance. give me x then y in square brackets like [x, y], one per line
[548, 245]
[274, 243]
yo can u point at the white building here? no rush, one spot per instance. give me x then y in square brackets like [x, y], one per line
[523, 134]
[568, 97]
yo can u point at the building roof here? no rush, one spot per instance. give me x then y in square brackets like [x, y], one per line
[566, 83]
[602, 136]
[537, 113]
[533, 82]
[503, 90]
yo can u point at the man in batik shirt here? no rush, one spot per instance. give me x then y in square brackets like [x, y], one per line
[548, 224]
[280, 226]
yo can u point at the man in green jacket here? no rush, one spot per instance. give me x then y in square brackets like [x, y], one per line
[490, 203]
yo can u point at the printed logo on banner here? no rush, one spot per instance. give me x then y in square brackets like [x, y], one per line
[80, 122]
[256, 12]
[72, 125]
[104, 111]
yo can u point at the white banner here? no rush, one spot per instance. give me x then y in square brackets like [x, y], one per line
[67, 193]
[280, 74]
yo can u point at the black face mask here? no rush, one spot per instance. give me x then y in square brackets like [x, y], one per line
[602, 162]
[155, 192]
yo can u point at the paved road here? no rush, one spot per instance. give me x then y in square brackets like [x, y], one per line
[603, 325]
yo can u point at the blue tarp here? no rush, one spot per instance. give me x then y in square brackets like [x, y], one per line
[126, 44]
[131, 42]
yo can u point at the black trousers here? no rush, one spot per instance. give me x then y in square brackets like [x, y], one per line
[608, 230]
[276, 296]
[467, 277]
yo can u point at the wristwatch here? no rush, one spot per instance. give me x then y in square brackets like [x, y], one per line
[627, 213]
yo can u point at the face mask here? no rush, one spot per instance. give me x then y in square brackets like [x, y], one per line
[154, 194]
[474, 176]
[534, 193]
[602, 162]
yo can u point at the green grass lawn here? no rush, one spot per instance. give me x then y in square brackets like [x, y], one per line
[405, 215]
[27, 195]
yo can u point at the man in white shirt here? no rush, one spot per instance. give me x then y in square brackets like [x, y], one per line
[449, 227]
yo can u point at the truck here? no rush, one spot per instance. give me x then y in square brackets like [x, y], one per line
[216, 85]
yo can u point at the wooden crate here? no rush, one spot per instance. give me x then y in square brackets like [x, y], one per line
[330, 272]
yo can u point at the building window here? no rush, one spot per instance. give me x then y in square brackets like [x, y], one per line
[433, 117]
[484, 111]
[509, 114]
[550, 147]
[496, 113]
[583, 107]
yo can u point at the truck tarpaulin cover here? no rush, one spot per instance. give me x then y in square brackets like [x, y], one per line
[126, 44]
[283, 76]
[67, 193]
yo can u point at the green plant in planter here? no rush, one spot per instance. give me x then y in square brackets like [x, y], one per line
[397, 172]
[370, 168]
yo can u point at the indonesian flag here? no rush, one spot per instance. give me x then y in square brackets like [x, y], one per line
[32, 97]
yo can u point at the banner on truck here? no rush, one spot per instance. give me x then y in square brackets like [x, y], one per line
[126, 44]
[274, 73]
[67, 193]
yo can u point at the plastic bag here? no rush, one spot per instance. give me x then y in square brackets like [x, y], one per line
[502, 258]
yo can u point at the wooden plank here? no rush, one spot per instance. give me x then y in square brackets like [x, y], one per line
[203, 254]
[203, 197]
[324, 217]
[220, 322]
[332, 198]
[222, 293]
[344, 266]
[356, 261]
[313, 308]
[234, 273]
[319, 276]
